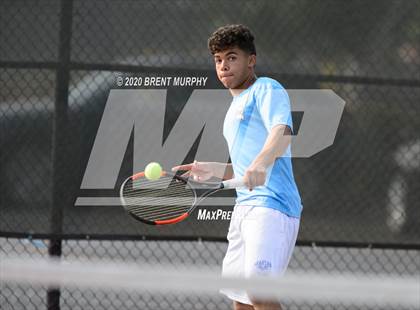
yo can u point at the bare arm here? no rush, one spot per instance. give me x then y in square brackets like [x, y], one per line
[275, 145]
[228, 172]
[202, 171]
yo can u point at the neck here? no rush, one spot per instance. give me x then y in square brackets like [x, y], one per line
[244, 85]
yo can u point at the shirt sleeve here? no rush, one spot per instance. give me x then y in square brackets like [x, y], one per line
[273, 104]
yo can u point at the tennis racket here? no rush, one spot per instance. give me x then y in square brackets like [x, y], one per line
[168, 200]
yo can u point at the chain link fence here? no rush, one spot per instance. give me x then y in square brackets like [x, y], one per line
[59, 60]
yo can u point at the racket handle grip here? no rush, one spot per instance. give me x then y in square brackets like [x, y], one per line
[233, 183]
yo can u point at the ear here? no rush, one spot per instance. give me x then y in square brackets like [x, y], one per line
[252, 60]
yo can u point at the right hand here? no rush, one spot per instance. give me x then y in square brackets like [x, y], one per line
[200, 171]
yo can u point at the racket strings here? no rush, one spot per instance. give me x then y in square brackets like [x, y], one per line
[150, 187]
[163, 215]
[141, 188]
[167, 210]
[158, 200]
[162, 207]
[176, 190]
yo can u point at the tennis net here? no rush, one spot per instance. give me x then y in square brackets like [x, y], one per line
[182, 285]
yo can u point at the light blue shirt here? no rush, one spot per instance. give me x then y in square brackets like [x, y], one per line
[251, 116]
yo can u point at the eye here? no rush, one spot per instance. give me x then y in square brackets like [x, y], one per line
[232, 58]
[218, 61]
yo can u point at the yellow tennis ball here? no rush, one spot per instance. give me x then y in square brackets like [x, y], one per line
[153, 171]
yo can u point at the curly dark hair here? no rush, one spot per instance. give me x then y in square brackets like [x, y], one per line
[232, 36]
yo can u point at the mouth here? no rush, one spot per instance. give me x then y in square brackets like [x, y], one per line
[226, 76]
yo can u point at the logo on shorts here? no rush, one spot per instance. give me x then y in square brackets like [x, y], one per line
[263, 265]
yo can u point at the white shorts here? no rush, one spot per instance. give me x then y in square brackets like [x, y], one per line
[261, 242]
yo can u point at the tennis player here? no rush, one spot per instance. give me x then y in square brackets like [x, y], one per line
[257, 128]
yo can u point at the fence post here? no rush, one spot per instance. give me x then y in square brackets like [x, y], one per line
[59, 142]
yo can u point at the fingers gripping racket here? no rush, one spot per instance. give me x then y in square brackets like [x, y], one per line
[168, 200]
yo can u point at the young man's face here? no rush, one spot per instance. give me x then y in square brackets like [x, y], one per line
[234, 67]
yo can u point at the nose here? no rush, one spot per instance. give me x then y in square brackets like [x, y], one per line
[224, 66]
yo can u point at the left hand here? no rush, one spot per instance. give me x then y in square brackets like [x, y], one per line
[255, 175]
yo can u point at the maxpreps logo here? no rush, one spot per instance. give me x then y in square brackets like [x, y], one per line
[138, 115]
[213, 215]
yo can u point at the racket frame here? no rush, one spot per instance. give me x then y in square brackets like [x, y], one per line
[213, 188]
